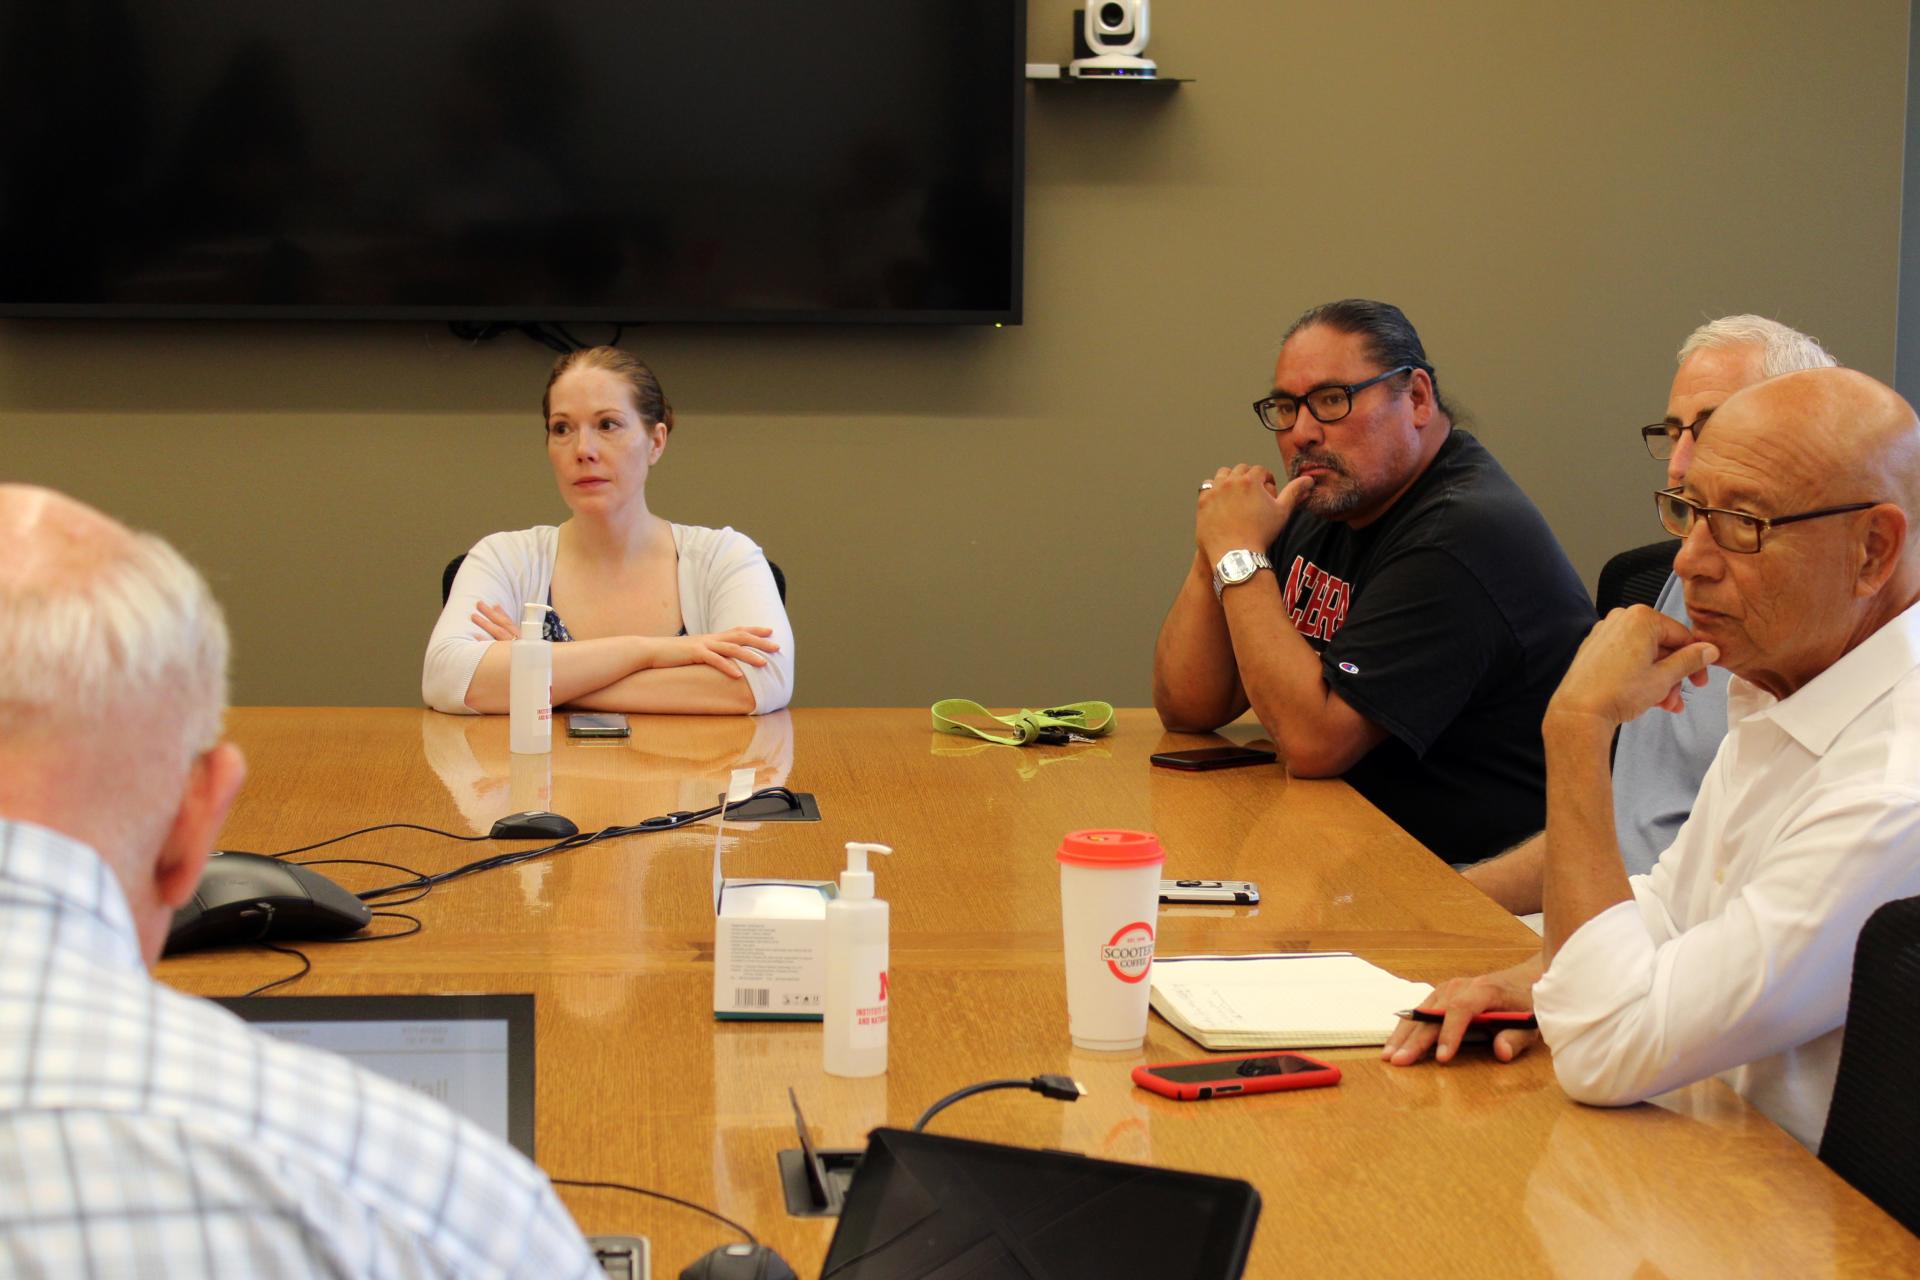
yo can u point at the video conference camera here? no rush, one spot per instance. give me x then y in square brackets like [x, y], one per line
[1113, 35]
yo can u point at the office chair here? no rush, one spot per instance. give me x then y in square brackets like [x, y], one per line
[1873, 1128]
[447, 575]
[453, 567]
[1635, 576]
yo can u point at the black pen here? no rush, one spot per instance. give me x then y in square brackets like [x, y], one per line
[1492, 1019]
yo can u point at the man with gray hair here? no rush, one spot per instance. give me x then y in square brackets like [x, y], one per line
[144, 1132]
[1661, 759]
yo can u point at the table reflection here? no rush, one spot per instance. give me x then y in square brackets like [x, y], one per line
[670, 763]
[1717, 1216]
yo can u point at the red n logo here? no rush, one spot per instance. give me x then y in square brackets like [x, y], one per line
[883, 986]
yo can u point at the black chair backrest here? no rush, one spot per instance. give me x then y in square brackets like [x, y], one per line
[446, 577]
[1873, 1129]
[1636, 576]
[453, 567]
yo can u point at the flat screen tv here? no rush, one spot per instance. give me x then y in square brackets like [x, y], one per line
[515, 160]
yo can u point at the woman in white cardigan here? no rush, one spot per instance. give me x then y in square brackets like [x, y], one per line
[660, 616]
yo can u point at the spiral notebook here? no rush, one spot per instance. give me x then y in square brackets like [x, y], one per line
[1293, 1000]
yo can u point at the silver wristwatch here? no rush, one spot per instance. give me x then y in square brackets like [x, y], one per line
[1236, 567]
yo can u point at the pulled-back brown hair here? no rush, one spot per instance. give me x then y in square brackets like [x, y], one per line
[648, 398]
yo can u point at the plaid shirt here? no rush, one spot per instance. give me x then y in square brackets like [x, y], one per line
[147, 1133]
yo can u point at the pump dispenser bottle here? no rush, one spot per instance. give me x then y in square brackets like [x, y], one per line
[854, 1015]
[530, 685]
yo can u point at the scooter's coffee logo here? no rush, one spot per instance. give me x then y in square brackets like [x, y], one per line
[1129, 953]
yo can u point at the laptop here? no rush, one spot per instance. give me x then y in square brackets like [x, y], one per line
[926, 1207]
[472, 1053]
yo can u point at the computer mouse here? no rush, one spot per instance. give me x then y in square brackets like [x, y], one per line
[738, 1262]
[246, 897]
[535, 824]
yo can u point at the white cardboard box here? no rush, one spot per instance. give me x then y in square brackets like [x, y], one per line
[770, 949]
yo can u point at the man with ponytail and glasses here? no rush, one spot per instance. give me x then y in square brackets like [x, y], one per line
[1390, 605]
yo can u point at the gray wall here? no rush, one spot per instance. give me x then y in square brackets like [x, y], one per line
[1907, 356]
[1555, 193]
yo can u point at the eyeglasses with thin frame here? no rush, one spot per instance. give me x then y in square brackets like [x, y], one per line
[1329, 402]
[1735, 531]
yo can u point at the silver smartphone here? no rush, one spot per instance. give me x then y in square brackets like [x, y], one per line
[597, 724]
[1241, 892]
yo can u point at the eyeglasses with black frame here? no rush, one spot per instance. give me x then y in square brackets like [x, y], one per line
[1328, 402]
[1662, 437]
[1736, 531]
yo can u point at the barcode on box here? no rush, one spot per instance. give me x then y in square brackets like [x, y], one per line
[752, 997]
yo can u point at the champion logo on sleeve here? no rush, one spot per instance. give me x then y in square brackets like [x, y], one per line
[1350, 669]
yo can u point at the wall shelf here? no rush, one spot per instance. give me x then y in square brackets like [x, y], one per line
[1135, 82]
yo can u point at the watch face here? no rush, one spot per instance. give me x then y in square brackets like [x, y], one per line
[1237, 566]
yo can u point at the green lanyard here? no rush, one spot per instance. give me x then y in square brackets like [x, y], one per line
[1070, 722]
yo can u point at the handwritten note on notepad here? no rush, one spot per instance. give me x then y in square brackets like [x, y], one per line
[1295, 1000]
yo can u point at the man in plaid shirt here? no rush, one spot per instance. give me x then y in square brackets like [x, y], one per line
[144, 1132]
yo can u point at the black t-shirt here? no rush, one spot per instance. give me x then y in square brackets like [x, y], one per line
[1448, 622]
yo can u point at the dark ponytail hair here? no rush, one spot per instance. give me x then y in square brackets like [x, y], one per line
[1391, 338]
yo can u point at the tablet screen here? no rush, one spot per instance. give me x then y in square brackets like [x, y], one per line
[472, 1053]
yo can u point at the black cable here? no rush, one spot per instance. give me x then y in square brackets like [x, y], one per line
[373, 862]
[715, 1214]
[1064, 1088]
[384, 826]
[580, 840]
[550, 334]
[386, 937]
[543, 333]
[306, 967]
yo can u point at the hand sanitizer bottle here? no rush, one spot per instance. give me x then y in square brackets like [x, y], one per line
[530, 686]
[854, 1015]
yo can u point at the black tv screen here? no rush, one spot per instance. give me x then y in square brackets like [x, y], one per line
[628, 160]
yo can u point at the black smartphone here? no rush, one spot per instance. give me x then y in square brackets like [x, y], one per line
[597, 724]
[1213, 758]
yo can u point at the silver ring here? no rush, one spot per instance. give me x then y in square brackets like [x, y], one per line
[1205, 485]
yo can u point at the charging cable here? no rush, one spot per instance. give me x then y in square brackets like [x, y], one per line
[665, 822]
[1065, 1088]
[715, 1214]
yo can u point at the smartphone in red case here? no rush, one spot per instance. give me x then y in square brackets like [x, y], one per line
[1205, 1078]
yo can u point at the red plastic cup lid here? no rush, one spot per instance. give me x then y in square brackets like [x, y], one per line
[1111, 849]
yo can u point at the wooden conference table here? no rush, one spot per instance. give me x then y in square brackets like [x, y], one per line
[1471, 1169]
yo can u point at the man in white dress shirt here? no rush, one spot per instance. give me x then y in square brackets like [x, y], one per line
[1733, 957]
[144, 1132]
